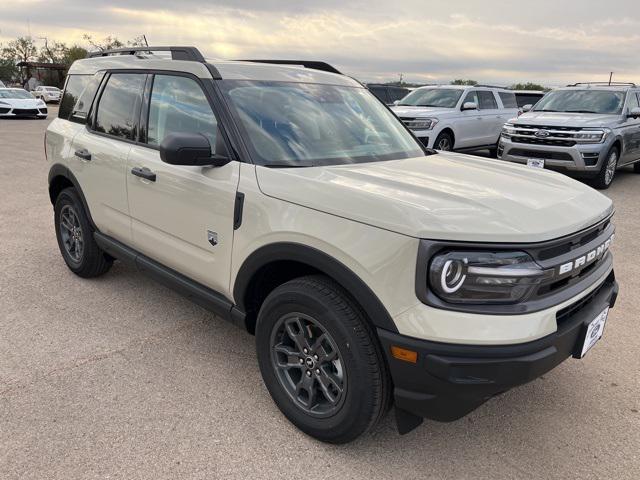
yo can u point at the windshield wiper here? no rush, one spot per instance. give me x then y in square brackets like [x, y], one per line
[287, 165]
[581, 111]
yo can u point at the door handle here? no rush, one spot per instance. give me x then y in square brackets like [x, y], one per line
[145, 173]
[83, 154]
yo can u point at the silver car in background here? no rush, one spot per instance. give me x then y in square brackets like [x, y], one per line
[587, 130]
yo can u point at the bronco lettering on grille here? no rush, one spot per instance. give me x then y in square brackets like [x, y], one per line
[585, 259]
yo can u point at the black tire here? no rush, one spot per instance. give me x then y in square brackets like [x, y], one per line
[365, 381]
[636, 167]
[605, 176]
[493, 152]
[80, 251]
[444, 141]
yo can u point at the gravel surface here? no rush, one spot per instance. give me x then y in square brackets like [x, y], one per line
[118, 377]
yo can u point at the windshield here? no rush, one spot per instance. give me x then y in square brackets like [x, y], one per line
[433, 97]
[15, 94]
[582, 101]
[299, 124]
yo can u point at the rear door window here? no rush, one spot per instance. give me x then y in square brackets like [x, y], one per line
[508, 99]
[487, 100]
[119, 105]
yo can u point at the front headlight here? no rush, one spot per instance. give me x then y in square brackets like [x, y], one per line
[422, 123]
[596, 135]
[508, 130]
[485, 277]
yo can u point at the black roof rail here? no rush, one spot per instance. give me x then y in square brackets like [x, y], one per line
[325, 67]
[606, 84]
[177, 53]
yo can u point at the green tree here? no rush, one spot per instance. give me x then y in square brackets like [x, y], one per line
[73, 53]
[460, 81]
[528, 86]
[53, 52]
[109, 43]
[8, 69]
[21, 49]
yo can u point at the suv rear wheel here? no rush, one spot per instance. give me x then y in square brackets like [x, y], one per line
[80, 251]
[320, 360]
[608, 170]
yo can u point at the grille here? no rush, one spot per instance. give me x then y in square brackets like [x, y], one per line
[25, 111]
[539, 141]
[551, 135]
[568, 250]
[519, 152]
[4, 110]
[565, 314]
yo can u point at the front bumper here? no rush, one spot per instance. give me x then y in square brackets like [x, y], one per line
[40, 112]
[448, 381]
[584, 159]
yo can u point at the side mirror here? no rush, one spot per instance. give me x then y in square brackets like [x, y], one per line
[634, 112]
[526, 108]
[190, 149]
[396, 102]
[469, 106]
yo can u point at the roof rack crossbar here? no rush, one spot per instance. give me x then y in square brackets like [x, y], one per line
[325, 67]
[177, 53]
[605, 83]
[488, 86]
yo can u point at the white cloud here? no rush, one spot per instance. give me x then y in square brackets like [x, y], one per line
[491, 41]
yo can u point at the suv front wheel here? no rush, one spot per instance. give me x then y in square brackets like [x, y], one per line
[80, 251]
[320, 360]
[608, 170]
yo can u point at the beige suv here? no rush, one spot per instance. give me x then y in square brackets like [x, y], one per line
[288, 200]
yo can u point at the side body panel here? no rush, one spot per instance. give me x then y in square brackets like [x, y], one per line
[173, 217]
[383, 260]
[103, 181]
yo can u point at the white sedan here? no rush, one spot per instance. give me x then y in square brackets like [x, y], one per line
[16, 102]
[48, 94]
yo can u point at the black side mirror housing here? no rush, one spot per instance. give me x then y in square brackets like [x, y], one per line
[190, 149]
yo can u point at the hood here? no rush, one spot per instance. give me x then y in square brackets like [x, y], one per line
[560, 119]
[447, 196]
[407, 111]
[22, 102]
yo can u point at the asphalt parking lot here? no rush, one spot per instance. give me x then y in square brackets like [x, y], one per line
[119, 377]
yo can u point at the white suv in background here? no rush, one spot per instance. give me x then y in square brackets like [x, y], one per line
[450, 117]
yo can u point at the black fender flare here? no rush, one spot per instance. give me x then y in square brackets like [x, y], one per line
[59, 170]
[285, 251]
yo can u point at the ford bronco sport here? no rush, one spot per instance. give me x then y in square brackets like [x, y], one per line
[587, 130]
[290, 201]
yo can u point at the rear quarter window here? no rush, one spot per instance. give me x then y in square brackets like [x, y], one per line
[74, 87]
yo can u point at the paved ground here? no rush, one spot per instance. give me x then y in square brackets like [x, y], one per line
[121, 378]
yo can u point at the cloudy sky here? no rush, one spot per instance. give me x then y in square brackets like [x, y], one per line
[547, 41]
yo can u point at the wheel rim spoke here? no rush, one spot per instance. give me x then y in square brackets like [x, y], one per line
[330, 388]
[308, 364]
[71, 233]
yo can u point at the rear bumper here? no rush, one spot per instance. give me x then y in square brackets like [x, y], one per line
[449, 381]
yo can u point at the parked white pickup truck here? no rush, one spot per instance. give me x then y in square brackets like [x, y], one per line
[451, 117]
